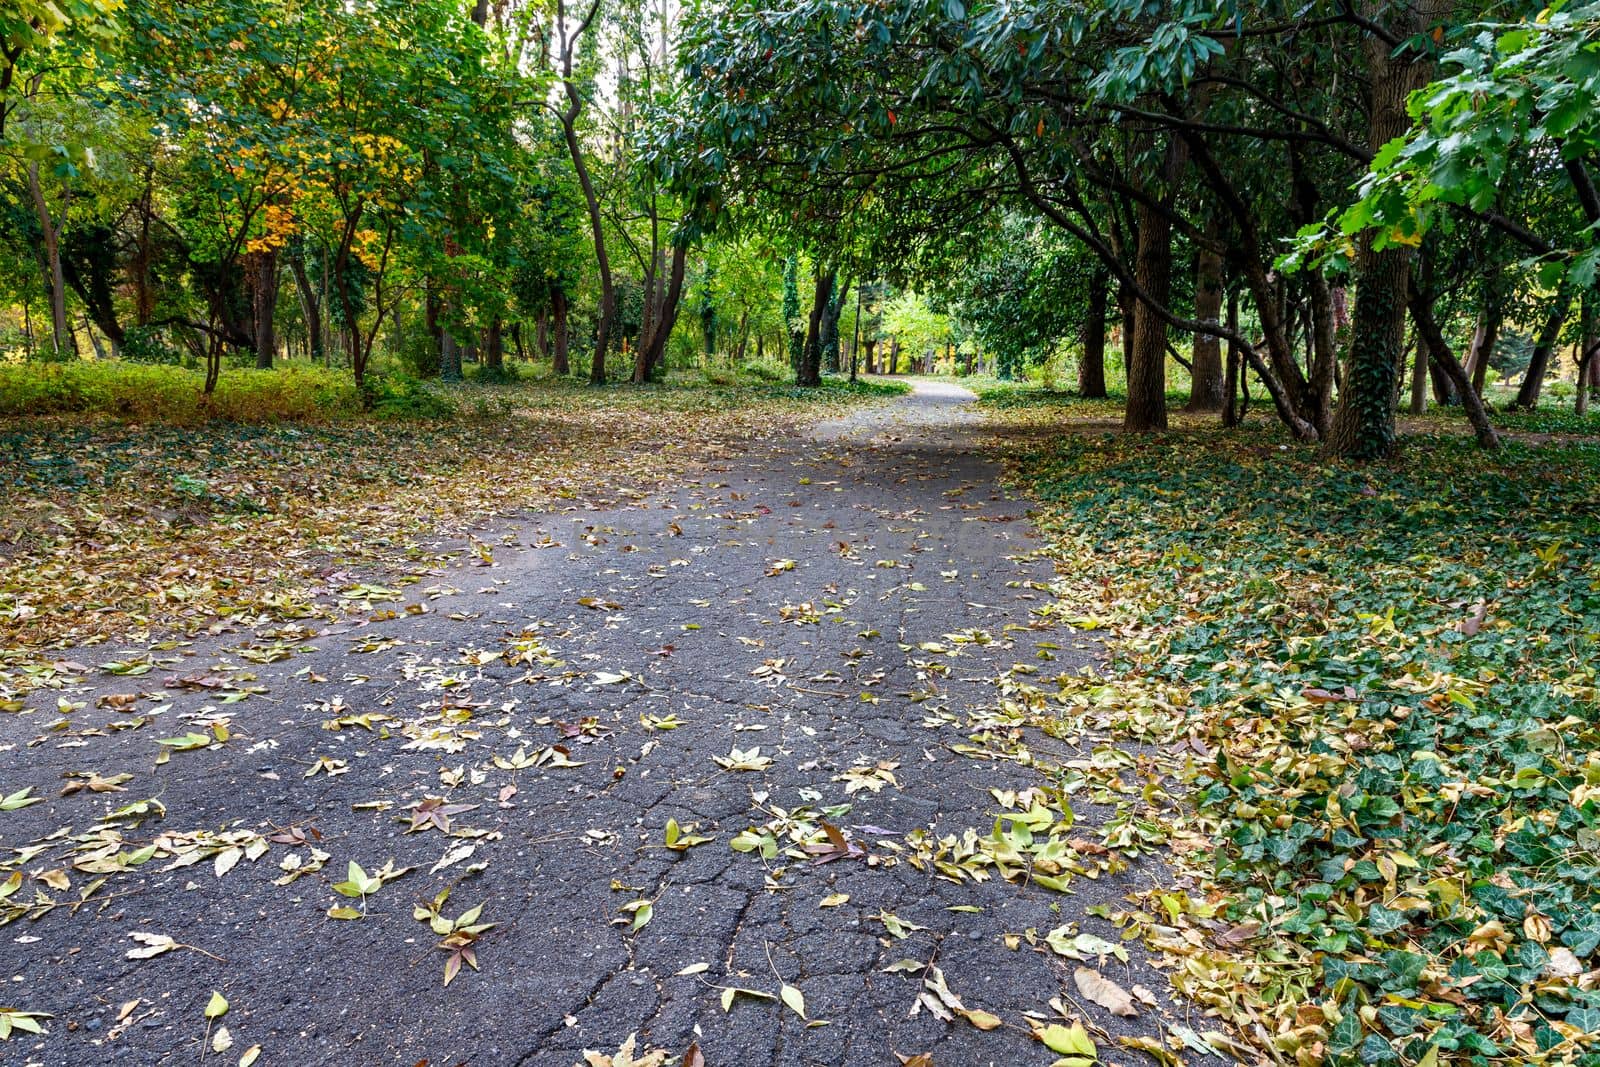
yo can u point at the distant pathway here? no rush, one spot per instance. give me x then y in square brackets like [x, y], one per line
[750, 610]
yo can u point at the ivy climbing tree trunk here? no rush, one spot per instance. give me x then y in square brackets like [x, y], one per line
[831, 357]
[811, 359]
[1364, 425]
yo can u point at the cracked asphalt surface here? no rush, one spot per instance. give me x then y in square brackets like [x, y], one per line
[750, 608]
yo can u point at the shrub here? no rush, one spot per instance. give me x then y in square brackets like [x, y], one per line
[400, 397]
[766, 372]
[144, 344]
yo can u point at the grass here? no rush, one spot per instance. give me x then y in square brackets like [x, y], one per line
[1375, 694]
[173, 395]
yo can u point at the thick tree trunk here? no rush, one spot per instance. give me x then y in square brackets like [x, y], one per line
[1092, 367]
[1206, 375]
[51, 232]
[811, 356]
[1146, 411]
[1364, 426]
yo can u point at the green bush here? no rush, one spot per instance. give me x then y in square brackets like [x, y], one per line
[401, 397]
[482, 373]
[766, 372]
[143, 344]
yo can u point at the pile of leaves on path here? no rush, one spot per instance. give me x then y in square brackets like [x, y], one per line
[112, 530]
[1378, 686]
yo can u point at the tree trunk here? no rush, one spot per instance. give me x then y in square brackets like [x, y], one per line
[653, 349]
[1430, 339]
[51, 233]
[310, 307]
[1326, 316]
[1092, 367]
[811, 357]
[1125, 303]
[1544, 346]
[558, 326]
[1419, 381]
[100, 352]
[830, 327]
[1233, 414]
[608, 292]
[1364, 426]
[494, 346]
[1147, 363]
[263, 302]
[1206, 376]
[1586, 354]
[1485, 336]
[449, 357]
[1587, 365]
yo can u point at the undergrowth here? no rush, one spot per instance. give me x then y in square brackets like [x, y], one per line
[1382, 681]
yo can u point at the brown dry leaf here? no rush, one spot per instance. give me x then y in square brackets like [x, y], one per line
[1104, 992]
[624, 1056]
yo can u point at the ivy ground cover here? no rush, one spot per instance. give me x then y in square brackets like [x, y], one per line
[1373, 695]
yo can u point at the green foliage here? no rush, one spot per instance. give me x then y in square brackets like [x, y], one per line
[1514, 90]
[141, 344]
[1389, 675]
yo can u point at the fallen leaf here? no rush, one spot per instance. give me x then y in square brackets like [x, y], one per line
[1104, 992]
